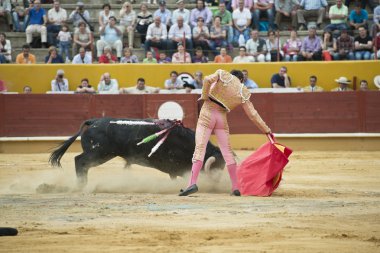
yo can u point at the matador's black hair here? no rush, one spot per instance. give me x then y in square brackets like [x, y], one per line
[238, 74]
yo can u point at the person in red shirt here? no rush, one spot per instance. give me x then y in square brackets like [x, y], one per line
[107, 56]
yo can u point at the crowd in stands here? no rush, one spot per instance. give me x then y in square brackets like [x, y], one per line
[186, 36]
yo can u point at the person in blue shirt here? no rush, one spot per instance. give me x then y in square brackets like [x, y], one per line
[53, 56]
[37, 22]
[249, 83]
[358, 17]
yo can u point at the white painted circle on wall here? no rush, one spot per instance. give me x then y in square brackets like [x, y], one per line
[170, 110]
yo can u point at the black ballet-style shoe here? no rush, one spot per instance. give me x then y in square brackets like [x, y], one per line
[236, 193]
[190, 190]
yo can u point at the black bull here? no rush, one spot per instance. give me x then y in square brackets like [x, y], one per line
[103, 139]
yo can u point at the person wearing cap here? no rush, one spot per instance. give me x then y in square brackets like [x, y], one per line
[202, 11]
[176, 34]
[37, 23]
[309, 8]
[343, 84]
[157, 35]
[181, 11]
[163, 13]
[112, 37]
[311, 49]
[338, 14]
[344, 47]
[358, 17]
[363, 45]
[79, 14]
[60, 84]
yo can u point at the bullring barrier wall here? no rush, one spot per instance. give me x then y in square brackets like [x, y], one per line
[39, 76]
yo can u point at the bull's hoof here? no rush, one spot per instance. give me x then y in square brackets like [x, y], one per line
[236, 193]
[4, 231]
[190, 190]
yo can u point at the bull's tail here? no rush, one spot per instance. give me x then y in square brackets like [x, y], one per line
[56, 155]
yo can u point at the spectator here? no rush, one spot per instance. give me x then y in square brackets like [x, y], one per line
[53, 56]
[112, 37]
[19, 16]
[177, 32]
[83, 37]
[56, 17]
[328, 46]
[82, 57]
[311, 49]
[281, 79]
[274, 49]
[247, 4]
[226, 22]
[199, 57]
[310, 8]
[37, 23]
[344, 47]
[223, 57]
[201, 35]
[260, 7]
[64, 37]
[376, 46]
[197, 82]
[243, 57]
[104, 16]
[363, 45]
[363, 85]
[60, 83]
[128, 19]
[181, 12]
[27, 89]
[338, 14]
[173, 82]
[156, 35]
[129, 57]
[292, 47]
[249, 83]
[201, 11]
[144, 19]
[376, 21]
[163, 58]
[107, 57]
[85, 87]
[242, 21]
[149, 58]
[140, 88]
[181, 56]
[286, 8]
[5, 49]
[25, 57]
[343, 84]
[80, 14]
[358, 18]
[256, 47]
[363, 3]
[218, 36]
[5, 11]
[107, 84]
[312, 87]
[164, 14]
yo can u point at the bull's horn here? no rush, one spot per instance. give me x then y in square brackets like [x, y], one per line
[208, 163]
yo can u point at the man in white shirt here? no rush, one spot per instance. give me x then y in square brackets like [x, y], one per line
[157, 35]
[82, 57]
[56, 17]
[242, 21]
[107, 84]
[181, 11]
[60, 84]
[176, 35]
[243, 57]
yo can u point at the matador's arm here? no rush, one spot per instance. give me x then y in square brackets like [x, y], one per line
[254, 116]
[207, 84]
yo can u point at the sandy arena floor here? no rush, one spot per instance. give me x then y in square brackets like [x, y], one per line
[327, 202]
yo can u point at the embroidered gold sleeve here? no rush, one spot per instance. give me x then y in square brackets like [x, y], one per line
[207, 84]
[254, 116]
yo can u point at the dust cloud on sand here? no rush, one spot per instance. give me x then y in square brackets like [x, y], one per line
[327, 202]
